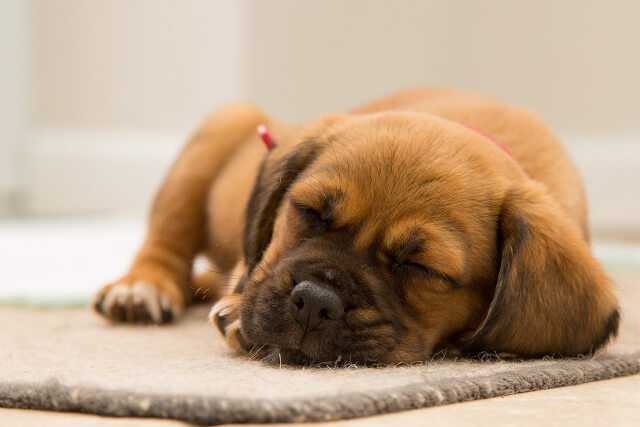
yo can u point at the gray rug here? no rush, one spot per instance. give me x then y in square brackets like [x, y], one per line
[70, 360]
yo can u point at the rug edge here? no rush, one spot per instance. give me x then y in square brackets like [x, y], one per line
[52, 395]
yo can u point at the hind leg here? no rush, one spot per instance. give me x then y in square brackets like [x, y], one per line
[157, 286]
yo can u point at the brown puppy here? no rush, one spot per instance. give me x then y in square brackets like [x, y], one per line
[381, 235]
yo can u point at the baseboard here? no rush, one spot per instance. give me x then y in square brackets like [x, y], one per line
[611, 173]
[70, 171]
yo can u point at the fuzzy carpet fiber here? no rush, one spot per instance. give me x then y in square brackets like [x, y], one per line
[71, 360]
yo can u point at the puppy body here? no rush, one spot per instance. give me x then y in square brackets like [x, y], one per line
[540, 155]
[498, 257]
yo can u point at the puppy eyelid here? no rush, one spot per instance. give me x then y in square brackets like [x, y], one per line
[310, 214]
[431, 272]
[304, 208]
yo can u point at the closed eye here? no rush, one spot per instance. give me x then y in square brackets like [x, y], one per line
[415, 268]
[312, 217]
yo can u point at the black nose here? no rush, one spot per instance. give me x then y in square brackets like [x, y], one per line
[314, 305]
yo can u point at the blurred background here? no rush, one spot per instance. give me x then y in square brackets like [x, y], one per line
[96, 97]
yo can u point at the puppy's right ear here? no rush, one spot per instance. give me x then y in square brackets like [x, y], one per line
[277, 172]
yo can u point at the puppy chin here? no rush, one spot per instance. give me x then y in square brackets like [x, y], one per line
[278, 337]
[266, 320]
[285, 345]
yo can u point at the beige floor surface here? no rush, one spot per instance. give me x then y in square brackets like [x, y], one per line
[606, 403]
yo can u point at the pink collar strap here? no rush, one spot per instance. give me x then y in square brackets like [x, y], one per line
[266, 137]
[270, 143]
[492, 139]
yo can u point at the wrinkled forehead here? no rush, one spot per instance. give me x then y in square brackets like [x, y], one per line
[383, 172]
[382, 179]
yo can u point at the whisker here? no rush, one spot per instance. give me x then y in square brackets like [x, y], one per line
[270, 267]
[442, 354]
[222, 242]
[240, 276]
[214, 259]
[252, 357]
[265, 271]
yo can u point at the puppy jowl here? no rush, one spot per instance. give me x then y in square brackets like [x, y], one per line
[432, 219]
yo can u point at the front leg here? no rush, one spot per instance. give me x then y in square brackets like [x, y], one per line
[158, 285]
[225, 314]
[148, 294]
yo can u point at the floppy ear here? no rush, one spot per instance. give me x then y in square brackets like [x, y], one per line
[551, 296]
[276, 175]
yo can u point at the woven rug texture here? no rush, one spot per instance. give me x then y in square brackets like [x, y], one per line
[71, 360]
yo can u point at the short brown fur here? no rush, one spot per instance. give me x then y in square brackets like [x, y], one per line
[433, 236]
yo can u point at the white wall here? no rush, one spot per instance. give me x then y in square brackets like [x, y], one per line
[14, 94]
[119, 84]
[163, 64]
[576, 62]
[135, 64]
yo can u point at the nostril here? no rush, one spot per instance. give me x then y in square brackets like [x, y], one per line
[313, 304]
[297, 298]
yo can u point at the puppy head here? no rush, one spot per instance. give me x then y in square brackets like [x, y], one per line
[391, 236]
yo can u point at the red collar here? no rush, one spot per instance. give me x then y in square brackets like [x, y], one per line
[492, 139]
[268, 140]
[266, 137]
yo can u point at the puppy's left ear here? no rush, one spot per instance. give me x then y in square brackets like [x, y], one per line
[551, 296]
[278, 171]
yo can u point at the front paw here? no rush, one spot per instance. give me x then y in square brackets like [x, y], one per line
[136, 300]
[225, 316]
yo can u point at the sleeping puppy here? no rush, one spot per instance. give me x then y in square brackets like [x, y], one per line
[427, 220]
